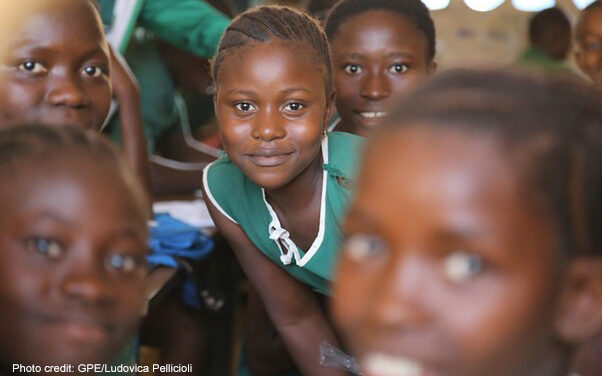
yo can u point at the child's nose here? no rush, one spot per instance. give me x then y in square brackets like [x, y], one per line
[375, 86]
[87, 283]
[66, 91]
[267, 125]
[398, 302]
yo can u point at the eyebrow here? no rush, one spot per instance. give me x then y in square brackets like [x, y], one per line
[357, 55]
[251, 92]
[293, 89]
[53, 217]
[360, 217]
[129, 232]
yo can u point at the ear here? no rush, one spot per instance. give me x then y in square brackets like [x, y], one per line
[215, 111]
[432, 67]
[330, 108]
[580, 311]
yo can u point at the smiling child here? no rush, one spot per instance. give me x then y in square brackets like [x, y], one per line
[280, 193]
[381, 49]
[481, 255]
[73, 246]
[55, 68]
[589, 42]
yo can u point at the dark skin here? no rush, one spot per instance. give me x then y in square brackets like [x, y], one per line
[377, 56]
[56, 72]
[589, 40]
[443, 264]
[272, 108]
[73, 248]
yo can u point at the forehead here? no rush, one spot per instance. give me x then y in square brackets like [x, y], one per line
[71, 22]
[272, 65]
[450, 177]
[439, 165]
[74, 186]
[374, 31]
[592, 21]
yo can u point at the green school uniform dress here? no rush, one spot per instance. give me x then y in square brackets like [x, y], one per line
[192, 25]
[245, 204]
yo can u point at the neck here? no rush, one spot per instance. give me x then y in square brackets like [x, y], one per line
[351, 128]
[301, 191]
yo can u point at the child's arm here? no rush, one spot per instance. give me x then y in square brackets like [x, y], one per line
[192, 25]
[290, 304]
[126, 91]
[169, 180]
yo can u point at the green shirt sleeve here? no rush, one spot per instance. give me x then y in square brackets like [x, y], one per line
[192, 25]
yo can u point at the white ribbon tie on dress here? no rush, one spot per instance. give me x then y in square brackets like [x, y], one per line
[282, 238]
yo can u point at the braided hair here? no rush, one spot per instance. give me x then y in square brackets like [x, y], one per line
[266, 23]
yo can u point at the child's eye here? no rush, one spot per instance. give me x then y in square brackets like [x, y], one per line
[93, 71]
[124, 263]
[398, 68]
[593, 46]
[244, 107]
[32, 67]
[352, 69]
[293, 107]
[46, 246]
[460, 266]
[360, 247]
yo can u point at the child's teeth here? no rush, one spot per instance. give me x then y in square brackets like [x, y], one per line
[372, 114]
[386, 365]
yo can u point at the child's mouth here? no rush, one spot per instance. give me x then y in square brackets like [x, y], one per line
[269, 158]
[379, 364]
[372, 114]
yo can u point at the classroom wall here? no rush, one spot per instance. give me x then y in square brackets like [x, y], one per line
[496, 38]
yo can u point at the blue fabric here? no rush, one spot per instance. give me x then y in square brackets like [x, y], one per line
[171, 240]
[171, 237]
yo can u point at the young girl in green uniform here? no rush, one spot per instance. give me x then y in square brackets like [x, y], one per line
[279, 194]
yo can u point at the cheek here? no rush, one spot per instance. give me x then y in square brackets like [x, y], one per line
[130, 302]
[404, 83]
[101, 99]
[593, 60]
[506, 320]
[347, 87]
[233, 136]
[19, 102]
[352, 294]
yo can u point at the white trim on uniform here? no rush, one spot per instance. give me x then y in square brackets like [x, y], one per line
[282, 236]
[210, 195]
[334, 124]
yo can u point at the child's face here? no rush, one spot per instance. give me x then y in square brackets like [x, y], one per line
[73, 243]
[376, 56]
[589, 56]
[272, 108]
[55, 71]
[446, 270]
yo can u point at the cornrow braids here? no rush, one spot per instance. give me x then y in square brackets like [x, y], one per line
[551, 128]
[414, 10]
[40, 143]
[266, 23]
